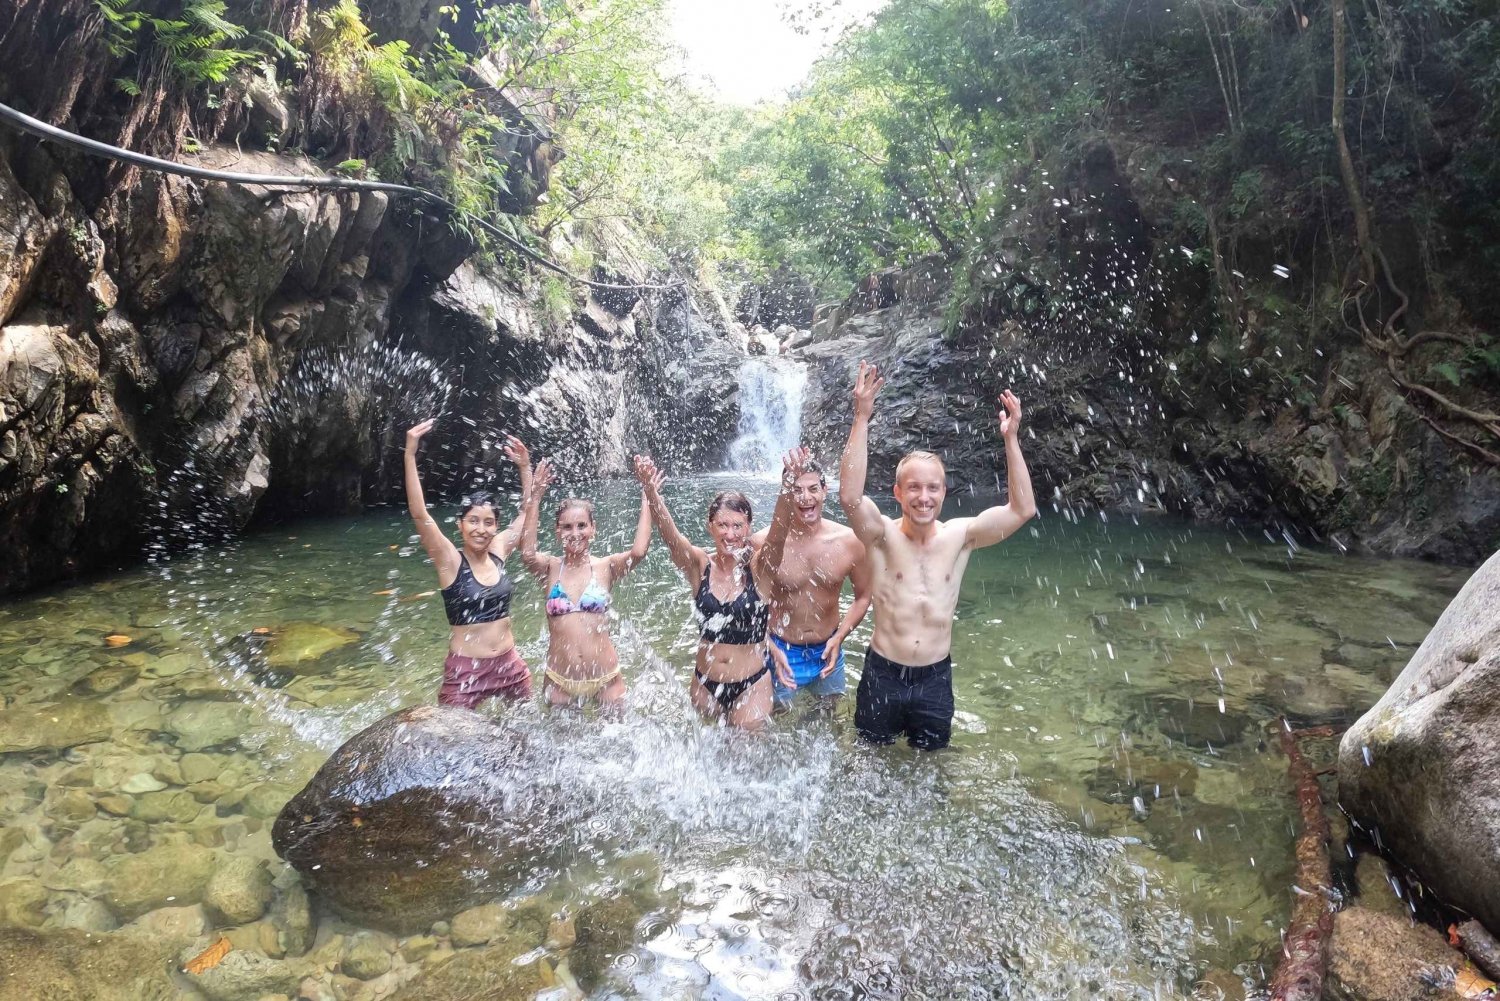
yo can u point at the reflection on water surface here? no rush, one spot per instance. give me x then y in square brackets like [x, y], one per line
[1110, 822]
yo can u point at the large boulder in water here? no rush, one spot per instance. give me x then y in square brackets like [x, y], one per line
[420, 814]
[1421, 769]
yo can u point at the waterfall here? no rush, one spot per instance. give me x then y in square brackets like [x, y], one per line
[771, 390]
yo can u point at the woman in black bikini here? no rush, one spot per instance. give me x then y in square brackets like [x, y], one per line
[482, 660]
[732, 678]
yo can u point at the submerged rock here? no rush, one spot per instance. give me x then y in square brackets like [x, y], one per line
[174, 873]
[488, 973]
[418, 815]
[77, 966]
[53, 726]
[1421, 769]
[299, 642]
[1377, 957]
[197, 725]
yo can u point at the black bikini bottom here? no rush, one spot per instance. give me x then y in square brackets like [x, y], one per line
[729, 693]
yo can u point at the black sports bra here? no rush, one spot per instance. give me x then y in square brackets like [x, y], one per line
[741, 622]
[469, 602]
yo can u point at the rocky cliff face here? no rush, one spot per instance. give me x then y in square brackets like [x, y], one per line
[1112, 423]
[212, 353]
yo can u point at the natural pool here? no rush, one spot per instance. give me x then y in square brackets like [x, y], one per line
[1111, 822]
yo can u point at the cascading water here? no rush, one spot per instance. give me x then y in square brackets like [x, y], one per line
[771, 392]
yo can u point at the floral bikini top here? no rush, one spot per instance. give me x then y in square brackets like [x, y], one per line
[593, 599]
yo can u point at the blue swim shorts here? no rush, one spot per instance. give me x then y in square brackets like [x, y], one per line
[806, 662]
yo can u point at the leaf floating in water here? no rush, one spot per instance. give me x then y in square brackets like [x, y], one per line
[116, 639]
[208, 958]
[418, 596]
[384, 594]
[261, 631]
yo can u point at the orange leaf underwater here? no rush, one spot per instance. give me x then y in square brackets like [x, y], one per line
[208, 958]
[1470, 984]
[116, 639]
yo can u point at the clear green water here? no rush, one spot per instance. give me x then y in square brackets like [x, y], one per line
[1110, 822]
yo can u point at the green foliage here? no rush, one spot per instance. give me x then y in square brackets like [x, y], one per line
[196, 44]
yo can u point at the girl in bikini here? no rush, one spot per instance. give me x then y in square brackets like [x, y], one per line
[581, 660]
[482, 660]
[732, 677]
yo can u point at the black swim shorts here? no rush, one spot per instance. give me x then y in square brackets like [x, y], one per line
[894, 699]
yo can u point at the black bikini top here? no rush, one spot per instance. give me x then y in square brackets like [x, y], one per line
[470, 603]
[741, 622]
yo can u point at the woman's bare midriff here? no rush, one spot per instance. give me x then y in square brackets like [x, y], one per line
[580, 646]
[729, 661]
[482, 639]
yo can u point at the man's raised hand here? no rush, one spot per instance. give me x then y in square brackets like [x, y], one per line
[1010, 415]
[794, 464]
[866, 384]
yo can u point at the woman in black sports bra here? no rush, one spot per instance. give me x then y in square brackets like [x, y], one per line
[732, 678]
[482, 660]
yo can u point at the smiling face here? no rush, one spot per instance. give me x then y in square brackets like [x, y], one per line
[478, 526]
[921, 485]
[808, 495]
[729, 518]
[575, 528]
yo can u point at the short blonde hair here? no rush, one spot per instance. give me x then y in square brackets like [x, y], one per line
[916, 456]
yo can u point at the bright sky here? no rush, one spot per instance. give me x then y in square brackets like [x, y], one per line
[747, 48]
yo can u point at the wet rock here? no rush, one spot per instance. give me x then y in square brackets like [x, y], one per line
[22, 904]
[197, 725]
[295, 643]
[53, 726]
[72, 965]
[486, 972]
[197, 767]
[418, 948]
[84, 914]
[173, 873]
[242, 975]
[479, 925]
[116, 806]
[155, 807]
[72, 807]
[291, 913]
[1422, 768]
[170, 924]
[105, 680]
[1377, 957]
[1377, 887]
[419, 815]
[142, 782]
[1139, 775]
[1197, 723]
[239, 891]
[365, 957]
[604, 930]
[561, 934]
[264, 801]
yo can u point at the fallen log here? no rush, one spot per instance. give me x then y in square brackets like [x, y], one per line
[1481, 947]
[1304, 951]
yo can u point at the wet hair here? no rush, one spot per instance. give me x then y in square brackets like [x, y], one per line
[814, 466]
[587, 505]
[479, 498]
[734, 501]
[911, 457]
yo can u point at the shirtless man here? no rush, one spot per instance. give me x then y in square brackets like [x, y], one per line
[918, 562]
[809, 558]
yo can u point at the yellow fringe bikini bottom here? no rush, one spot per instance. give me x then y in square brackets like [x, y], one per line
[582, 688]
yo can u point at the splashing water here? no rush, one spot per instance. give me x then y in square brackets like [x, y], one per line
[771, 392]
[1106, 825]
